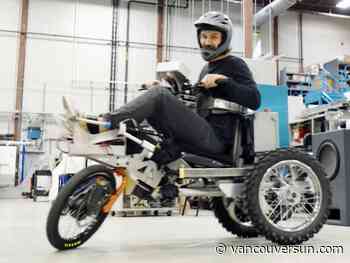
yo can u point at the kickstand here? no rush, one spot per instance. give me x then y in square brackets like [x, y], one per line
[185, 204]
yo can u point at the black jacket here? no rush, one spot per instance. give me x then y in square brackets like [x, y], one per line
[239, 87]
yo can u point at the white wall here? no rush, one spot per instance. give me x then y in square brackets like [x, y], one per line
[81, 66]
[288, 42]
[9, 13]
[61, 65]
[324, 38]
[64, 65]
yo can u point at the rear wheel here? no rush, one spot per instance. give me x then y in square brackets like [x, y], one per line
[231, 216]
[76, 214]
[288, 196]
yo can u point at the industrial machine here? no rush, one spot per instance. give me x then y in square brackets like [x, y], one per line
[322, 84]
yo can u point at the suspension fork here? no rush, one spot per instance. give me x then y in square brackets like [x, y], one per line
[119, 172]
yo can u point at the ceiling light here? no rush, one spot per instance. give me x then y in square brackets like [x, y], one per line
[343, 4]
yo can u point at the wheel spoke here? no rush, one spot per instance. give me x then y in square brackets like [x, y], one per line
[281, 208]
[312, 205]
[274, 209]
[293, 172]
[316, 198]
[274, 202]
[302, 187]
[285, 215]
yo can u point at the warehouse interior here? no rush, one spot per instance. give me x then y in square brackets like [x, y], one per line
[280, 191]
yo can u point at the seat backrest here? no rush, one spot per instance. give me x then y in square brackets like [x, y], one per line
[221, 106]
[243, 150]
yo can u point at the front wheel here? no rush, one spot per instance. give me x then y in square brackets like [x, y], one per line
[288, 196]
[76, 214]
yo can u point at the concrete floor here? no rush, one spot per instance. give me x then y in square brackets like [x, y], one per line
[143, 239]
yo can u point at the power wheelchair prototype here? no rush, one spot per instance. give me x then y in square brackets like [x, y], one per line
[257, 189]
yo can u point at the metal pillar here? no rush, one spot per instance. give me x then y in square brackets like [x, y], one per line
[160, 30]
[300, 40]
[114, 50]
[275, 48]
[21, 68]
[248, 28]
[20, 78]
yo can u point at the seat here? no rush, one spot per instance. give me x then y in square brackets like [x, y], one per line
[242, 144]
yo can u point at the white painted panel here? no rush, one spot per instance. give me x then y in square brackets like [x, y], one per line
[92, 62]
[9, 14]
[6, 124]
[265, 39]
[121, 58]
[142, 67]
[82, 100]
[55, 64]
[143, 23]
[122, 14]
[183, 31]
[54, 17]
[8, 55]
[7, 165]
[85, 18]
[237, 39]
[264, 71]
[94, 18]
[288, 34]
[324, 38]
[236, 18]
[192, 60]
[292, 66]
[269, 139]
[49, 63]
[332, 36]
[295, 107]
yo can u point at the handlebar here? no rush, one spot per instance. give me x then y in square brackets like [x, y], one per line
[186, 89]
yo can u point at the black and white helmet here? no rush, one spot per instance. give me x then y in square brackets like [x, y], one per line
[215, 21]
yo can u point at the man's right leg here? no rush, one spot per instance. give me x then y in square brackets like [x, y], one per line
[172, 118]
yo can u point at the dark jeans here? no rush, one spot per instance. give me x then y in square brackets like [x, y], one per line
[172, 118]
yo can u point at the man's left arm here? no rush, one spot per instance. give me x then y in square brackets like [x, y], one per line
[241, 89]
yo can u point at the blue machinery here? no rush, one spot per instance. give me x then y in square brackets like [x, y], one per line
[329, 85]
[325, 88]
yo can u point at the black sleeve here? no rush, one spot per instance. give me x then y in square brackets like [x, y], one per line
[241, 87]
